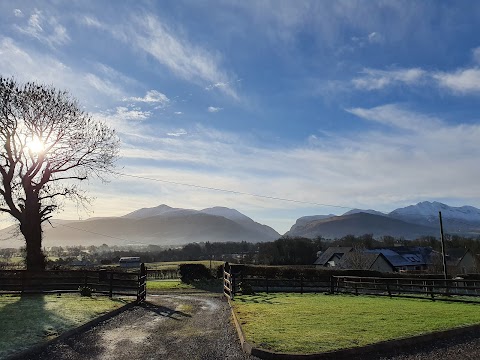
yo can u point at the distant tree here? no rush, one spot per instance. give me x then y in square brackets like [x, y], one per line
[47, 145]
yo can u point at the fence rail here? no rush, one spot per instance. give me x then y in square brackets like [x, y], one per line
[452, 289]
[58, 281]
[404, 287]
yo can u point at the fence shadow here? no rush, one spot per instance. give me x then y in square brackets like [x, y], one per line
[165, 311]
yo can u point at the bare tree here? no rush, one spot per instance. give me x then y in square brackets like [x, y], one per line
[357, 259]
[47, 145]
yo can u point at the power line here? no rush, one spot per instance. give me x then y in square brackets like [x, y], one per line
[92, 232]
[235, 191]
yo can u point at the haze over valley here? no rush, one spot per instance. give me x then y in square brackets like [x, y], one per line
[168, 226]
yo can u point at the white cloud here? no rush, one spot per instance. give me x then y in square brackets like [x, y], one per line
[375, 38]
[213, 109]
[364, 169]
[216, 86]
[462, 81]
[18, 13]
[189, 61]
[476, 55]
[177, 133]
[394, 115]
[374, 79]
[152, 96]
[91, 21]
[99, 84]
[178, 113]
[45, 29]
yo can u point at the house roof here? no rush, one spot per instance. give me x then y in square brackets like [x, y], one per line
[405, 255]
[454, 256]
[330, 252]
[368, 259]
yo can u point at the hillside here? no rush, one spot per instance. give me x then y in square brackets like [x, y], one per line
[359, 224]
[161, 225]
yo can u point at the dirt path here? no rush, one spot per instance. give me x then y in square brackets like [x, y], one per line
[168, 327]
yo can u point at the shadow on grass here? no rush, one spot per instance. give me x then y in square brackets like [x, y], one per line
[28, 322]
[213, 285]
[258, 299]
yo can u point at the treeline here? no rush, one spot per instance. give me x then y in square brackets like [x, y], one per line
[284, 251]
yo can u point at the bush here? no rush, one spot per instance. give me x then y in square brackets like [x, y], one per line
[85, 291]
[194, 272]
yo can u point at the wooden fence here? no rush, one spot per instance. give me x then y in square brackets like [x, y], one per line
[235, 282]
[406, 287]
[163, 274]
[61, 281]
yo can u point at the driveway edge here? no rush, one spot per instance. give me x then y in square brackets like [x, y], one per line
[349, 353]
[36, 349]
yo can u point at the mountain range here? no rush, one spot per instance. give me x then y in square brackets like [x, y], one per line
[165, 225]
[409, 222]
[161, 225]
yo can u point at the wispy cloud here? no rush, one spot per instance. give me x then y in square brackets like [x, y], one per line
[177, 133]
[374, 79]
[178, 113]
[185, 59]
[98, 84]
[396, 116]
[18, 13]
[476, 55]
[214, 109]
[152, 96]
[370, 167]
[45, 29]
[462, 81]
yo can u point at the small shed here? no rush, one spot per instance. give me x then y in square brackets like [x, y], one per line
[129, 262]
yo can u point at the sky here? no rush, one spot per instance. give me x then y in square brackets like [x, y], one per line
[356, 104]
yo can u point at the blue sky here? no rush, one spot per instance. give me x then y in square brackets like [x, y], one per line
[368, 104]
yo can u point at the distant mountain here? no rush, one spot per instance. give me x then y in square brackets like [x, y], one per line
[156, 211]
[161, 225]
[359, 224]
[460, 220]
[370, 211]
[241, 219]
[415, 220]
[301, 222]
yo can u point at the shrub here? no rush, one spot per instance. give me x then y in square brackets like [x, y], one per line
[194, 272]
[85, 291]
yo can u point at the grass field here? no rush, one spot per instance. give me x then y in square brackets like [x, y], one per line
[162, 285]
[174, 264]
[316, 323]
[31, 319]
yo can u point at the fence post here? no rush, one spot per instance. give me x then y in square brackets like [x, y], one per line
[110, 294]
[332, 284]
[23, 281]
[232, 284]
[301, 284]
[266, 282]
[388, 289]
[85, 278]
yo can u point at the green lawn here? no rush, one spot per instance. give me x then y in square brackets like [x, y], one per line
[174, 264]
[316, 322]
[31, 319]
[161, 285]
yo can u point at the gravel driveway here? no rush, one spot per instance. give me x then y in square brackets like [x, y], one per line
[167, 327]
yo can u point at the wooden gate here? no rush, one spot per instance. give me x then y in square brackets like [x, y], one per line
[228, 281]
[142, 284]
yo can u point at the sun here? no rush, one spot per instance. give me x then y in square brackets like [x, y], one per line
[36, 145]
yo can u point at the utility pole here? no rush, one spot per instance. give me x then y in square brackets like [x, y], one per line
[443, 246]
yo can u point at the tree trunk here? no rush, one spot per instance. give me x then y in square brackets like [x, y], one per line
[31, 228]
